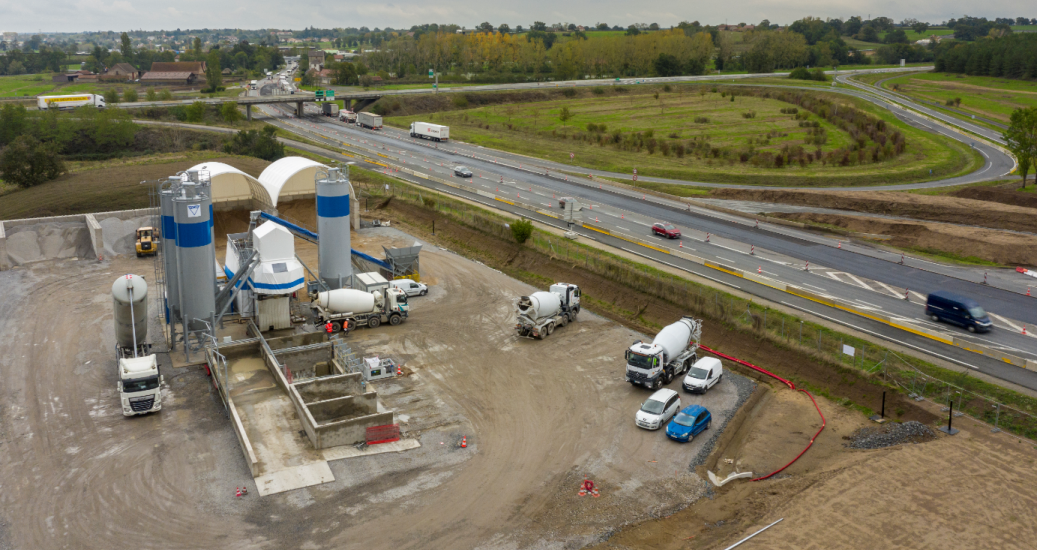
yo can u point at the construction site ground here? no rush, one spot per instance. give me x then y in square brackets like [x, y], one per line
[538, 417]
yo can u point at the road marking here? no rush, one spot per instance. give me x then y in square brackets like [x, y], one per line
[623, 228]
[890, 289]
[817, 287]
[919, 296]
[858, 281]
[835, 275]
[725, 259]
[1006, 321]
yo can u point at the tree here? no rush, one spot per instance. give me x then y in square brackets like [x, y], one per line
[344, 74]
[126, 48]
[213, 76]
[197, 47]
[130, 96]
[897, 36]
[919, 27]
[603, 26]
[196, 112]
[111, 96]
[653, 27]
[539, 26]
[1021, 138]
[485, 26]
[262, 145]
[165, 95]
[632, 30]
[565, 115]
[150, 95]
[230, 113]
[868, 34]
[27, 162]
[522, 230]
[667, 65]
[504, 28]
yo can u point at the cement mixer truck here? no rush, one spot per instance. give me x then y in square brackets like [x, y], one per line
[540, 312]
[139, 382]
[348, 308]
[670, 354]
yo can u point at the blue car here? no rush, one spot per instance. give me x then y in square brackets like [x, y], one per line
[688, 423]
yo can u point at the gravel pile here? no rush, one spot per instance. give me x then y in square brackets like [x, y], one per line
[744, 387]
[890, 434]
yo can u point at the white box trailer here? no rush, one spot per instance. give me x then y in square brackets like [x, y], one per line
[426, 130]
[368, 120]
[69, 101]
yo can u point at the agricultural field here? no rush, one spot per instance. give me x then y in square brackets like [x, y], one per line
[990, 97]
[724, 138]
[25, 85]
[913, 36]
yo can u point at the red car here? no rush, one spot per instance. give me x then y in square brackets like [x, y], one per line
[667, 230]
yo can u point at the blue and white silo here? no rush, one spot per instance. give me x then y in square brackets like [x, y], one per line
[333, 195]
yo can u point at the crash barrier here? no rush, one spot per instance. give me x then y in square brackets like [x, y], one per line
[792, 387]
[383, 434]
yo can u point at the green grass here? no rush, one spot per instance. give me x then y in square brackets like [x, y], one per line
[913, 36]
[673, 114]
[984, 96]
[25, 85]
[1025, 28]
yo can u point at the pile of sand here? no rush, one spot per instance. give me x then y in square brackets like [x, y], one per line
[27, 244]
[120, 235]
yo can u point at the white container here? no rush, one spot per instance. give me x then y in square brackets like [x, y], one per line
[539, 304]
[674, 339]
[130, 299]
[346, 300]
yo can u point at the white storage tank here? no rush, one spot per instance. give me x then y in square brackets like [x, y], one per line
[539, 304]
[675, 338]
[333, 192]
[130, 299]
[347, 300]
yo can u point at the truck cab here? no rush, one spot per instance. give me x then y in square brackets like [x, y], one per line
[146, 241]
[140, 385]
[570, 295]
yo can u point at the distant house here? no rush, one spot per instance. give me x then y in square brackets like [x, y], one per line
[181, 73]
[121, 71]
[196, 67]
[316, 58]
[324, 77]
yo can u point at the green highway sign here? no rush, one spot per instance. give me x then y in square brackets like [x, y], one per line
[430, 73]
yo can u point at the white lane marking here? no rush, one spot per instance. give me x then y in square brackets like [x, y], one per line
[817, 287]
[1006, 321]
[919, 296]
[858, 281]
[867, 303]
[834, 275]
[680, 268]
[890, 289]
[725, 259]
[623, 228]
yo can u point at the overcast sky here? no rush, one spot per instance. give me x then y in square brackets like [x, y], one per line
[119, 15]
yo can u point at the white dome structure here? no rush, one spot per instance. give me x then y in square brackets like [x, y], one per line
[230, 185]
[288, 178]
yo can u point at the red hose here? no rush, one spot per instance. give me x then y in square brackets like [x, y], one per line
[792, 387]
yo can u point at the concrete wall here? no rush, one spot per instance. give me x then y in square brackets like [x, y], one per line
[351, 431]
[297, 340]
[90, 221]
[330, 387]
[342, 408]
[303, 362]
[96, 239]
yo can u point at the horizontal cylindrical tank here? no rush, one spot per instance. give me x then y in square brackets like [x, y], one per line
[130, 298]
[674, 339]
[539, 304]
[347, 300]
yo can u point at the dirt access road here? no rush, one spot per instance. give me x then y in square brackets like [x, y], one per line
[539, 415]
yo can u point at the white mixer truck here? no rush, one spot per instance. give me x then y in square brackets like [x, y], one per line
[139, 382]
[670, 354]
[348, 308]
[540, 312]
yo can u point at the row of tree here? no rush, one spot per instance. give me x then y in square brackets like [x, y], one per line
[1012, 56]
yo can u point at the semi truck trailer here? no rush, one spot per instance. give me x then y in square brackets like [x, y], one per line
[541, 312]
[329, 109]
[348, 308]
[368, 120]
[671, 353]
[426, 130]
[64, 102]
[139, 380]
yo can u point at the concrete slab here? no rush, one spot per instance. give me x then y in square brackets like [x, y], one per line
[295, 477]
[348, 451]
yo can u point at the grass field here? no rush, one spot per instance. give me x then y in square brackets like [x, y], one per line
[989, 97]
[913, 36]
[535, 130]
[25, 85]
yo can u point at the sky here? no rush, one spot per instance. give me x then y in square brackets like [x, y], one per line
[120, 15]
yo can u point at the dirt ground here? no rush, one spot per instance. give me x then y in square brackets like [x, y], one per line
[987, 244]
[1006, 194]
[968, 211]
[971, 490]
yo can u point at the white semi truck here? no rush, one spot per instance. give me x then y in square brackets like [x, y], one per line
[69, 101]
[671, 353]
[368, 120]
[348, 117]
[140, 382]
[427, 130]
[348, 308]
[540, 312]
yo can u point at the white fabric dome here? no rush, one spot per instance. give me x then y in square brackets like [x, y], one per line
[288, 177]
[229, 183]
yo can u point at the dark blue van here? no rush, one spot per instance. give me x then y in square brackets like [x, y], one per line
[959, 310]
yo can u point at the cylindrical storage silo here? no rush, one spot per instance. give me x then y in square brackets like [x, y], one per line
[168, 248]
[333, 195]
[196, 255]
[539, 304]
[130, 298]
[346, 300]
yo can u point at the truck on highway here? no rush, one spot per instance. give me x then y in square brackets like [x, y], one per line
[253, 84]
[368, 120]
[64, 102]
[671, 353]
[348, 308]
[539, 313]
[348, 117]
[139, 380]
[329, 109]
[426, 130]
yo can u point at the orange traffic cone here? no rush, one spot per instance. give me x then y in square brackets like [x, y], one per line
[760, 270]
[840, 244]
[399, 370]
[1024, 330]
[244, 491]
[238, 492]
[464, 442]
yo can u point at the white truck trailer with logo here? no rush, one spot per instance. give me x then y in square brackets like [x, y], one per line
[671, 353]
[427, 130]
[64, 102]
[539, 313]
[368, 120]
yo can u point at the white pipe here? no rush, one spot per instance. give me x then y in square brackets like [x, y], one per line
[753, 535]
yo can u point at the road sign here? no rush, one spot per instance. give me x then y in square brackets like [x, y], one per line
[297, 79]
[329, 95]
[635, 171]
[430, 73]
[572, 156]
[319, 94]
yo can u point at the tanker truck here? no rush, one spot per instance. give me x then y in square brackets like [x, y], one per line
[348, 308]
[670, 354]
[540, 312]
[140, 382]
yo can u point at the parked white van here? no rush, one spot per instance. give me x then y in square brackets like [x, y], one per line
[410, 287]
[704, 374]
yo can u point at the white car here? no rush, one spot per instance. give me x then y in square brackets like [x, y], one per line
[704, 374]
[410, 287]
[658, 409]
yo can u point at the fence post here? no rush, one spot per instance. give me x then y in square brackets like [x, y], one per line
[801, 333]
[997, 418]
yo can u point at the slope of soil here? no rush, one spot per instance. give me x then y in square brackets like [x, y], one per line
[998, 194]
[923, 207]
[985, 244]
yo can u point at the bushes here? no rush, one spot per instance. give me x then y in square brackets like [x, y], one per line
[521, 230]
[195, 112]
[749, 114]
[230, 112]
[130, 96]
[701, 120]
[569, 92]
[801, 73]
[262, 145]
[26, 162]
